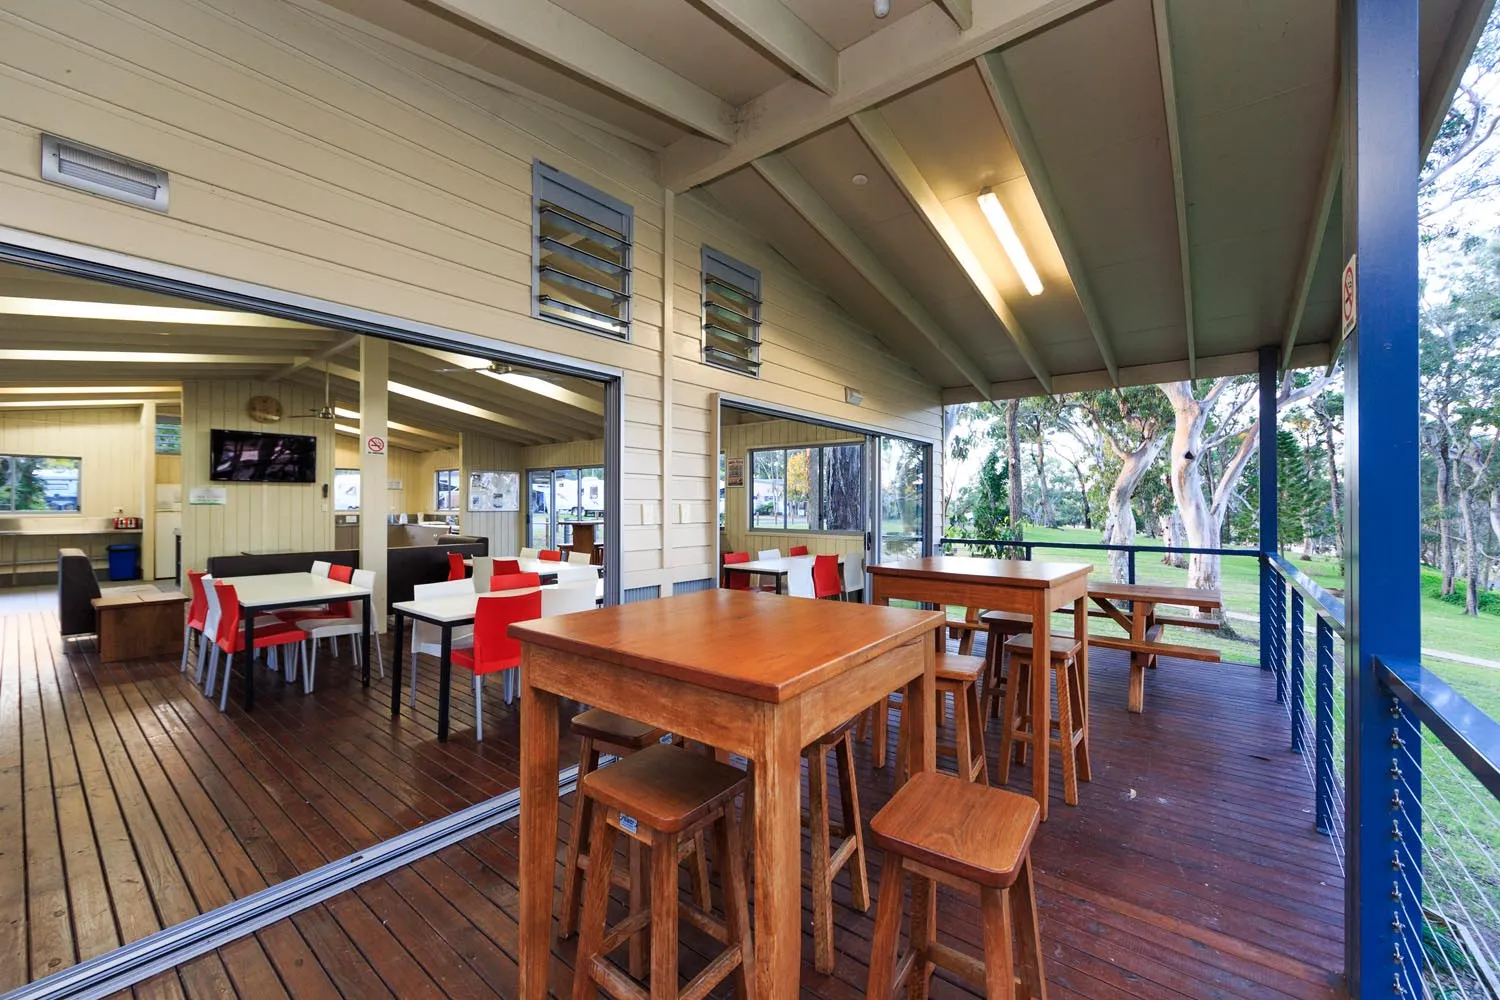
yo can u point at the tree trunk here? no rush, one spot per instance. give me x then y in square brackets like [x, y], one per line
[1049, 517]
[1333, 479]
[1199, 523]
[1444, 460]
[1471, 551]
[1119, 522]
[1013, 456]
[1088, 514]
[1175, 536]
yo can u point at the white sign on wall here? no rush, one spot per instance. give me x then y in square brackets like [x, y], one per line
[208, 496]
[1349, 296]
[374, 445]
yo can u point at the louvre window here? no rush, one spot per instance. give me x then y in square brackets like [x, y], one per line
[731, 314]
[582, 254]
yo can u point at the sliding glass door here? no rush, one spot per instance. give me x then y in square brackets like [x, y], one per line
[901, 517]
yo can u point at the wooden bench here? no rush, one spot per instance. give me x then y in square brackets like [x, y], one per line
[1143, 626]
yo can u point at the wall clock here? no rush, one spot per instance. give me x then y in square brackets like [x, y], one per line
[264, 409]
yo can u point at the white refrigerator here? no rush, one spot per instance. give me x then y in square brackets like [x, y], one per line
[168, 526]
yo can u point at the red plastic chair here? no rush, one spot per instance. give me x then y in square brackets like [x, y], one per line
[455, 566]
[231, 637]
[516, 598]
[733, 580]
[827, 580]
[197, 616]
[338, 610]
[551, 555]
[797, 550]
[345, 574]
[505, 567]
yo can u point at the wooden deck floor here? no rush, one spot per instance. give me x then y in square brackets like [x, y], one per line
[127, 802]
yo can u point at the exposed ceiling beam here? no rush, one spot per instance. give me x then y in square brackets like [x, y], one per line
[519, 380]
[793, 187]
[1213, 366]
[1312, 239]
[896, 58]
[439, 401]
[348, 343]
[1458, 48]
[962, 12]
[1008, 105]
[569, 41]
[876, 131]
[785, 37]
[1179, 189]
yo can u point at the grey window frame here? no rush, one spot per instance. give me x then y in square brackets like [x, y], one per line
[553, 189]
[720, 268]
[815, 499]
[456, 492]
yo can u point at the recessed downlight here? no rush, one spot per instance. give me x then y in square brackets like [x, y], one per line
[859, 180]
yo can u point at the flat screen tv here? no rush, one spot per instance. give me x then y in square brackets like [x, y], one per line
[251, 457]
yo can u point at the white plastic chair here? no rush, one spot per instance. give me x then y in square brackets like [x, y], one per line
[210, 635]
[321, 568]
[206, 649]
[799, 579]
[854, 575]
[567, 598]
[332, 628]
[768, 554]
[530, 553]
[580, 559]
[427, 638]
[484, 570]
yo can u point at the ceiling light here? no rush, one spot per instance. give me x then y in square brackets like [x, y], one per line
[859, 180]
[339, 411]
[142, 357]
[1006, 234]
[129, 313]
[85, 390]
[346, 429]
[882, 7]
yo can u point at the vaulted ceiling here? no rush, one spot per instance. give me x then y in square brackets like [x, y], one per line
[1170, 167]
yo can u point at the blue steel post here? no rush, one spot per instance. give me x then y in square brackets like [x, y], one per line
[1323, 726]
[1383, 814]
[1130, 565]
[1299, 671]
[1268, 519]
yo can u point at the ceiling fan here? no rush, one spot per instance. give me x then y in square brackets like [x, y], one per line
[324, 412]
[500, 368]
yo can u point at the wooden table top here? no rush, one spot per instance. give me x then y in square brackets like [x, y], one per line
[1014, 572]
[754, 645]
[1157, 594]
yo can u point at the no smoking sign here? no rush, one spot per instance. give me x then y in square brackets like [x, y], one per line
[374, 445]
[1349, 296]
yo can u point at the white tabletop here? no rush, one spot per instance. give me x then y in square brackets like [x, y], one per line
[778, 567]
[291, 588]
[456, 610]
[564, 571]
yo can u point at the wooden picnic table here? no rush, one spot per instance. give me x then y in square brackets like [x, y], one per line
[1143, 626]
[794, 671]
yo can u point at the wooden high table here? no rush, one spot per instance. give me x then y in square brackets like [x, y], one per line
[1023, 586]
[750, 673]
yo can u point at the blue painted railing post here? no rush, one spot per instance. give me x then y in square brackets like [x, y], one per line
[1382, 907]
[1323, 773]
[1130, 565]
[1299, 670]
[1268, 515]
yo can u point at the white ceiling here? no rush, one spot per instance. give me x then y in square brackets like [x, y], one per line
[1075, 139]
[267, 349]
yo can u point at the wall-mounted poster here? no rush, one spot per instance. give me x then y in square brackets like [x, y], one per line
[499, 491]
[734, 472]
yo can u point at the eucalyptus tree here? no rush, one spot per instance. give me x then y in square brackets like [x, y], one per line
[1134, 424]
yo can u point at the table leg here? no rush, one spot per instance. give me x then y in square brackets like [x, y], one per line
[445, 674]
[364, 638]
[1041, 699]
[396, 666]
[539, 715]
[780, 581]
[1081, 633]
[778, 861]
[249, 702]
[1136, 701]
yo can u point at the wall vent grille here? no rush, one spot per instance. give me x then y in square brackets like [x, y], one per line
[100, 172]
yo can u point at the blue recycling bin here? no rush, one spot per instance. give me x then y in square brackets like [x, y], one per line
[124, 562]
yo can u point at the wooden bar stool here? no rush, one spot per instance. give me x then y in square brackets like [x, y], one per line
[826, 861]
[957, 675]
[660, 797]
[600, 732]
[938, 828]
[1068, 732]
[1002, 626]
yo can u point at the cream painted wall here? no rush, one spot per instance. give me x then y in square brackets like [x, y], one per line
[109, 441]
[402, 465]
[482, 453]
[256, 517]
[309, 153]
[737, 440]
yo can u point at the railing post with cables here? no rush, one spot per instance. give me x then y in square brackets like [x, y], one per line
[1277, 627]
[1299, 668]
[1323, 773]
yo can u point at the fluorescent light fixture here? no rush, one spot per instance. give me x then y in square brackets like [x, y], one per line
[140, 357]
[540, 386]
[1006, 234]
[59, 404]
[124, 312]
[339, 411]
[346, 429]
[85, 390]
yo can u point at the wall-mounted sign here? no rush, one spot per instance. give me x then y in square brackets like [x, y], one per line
[494, 491]
[374, 445]
[1349, 295]
[734, 472]
[393, 485]
[208, 496]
